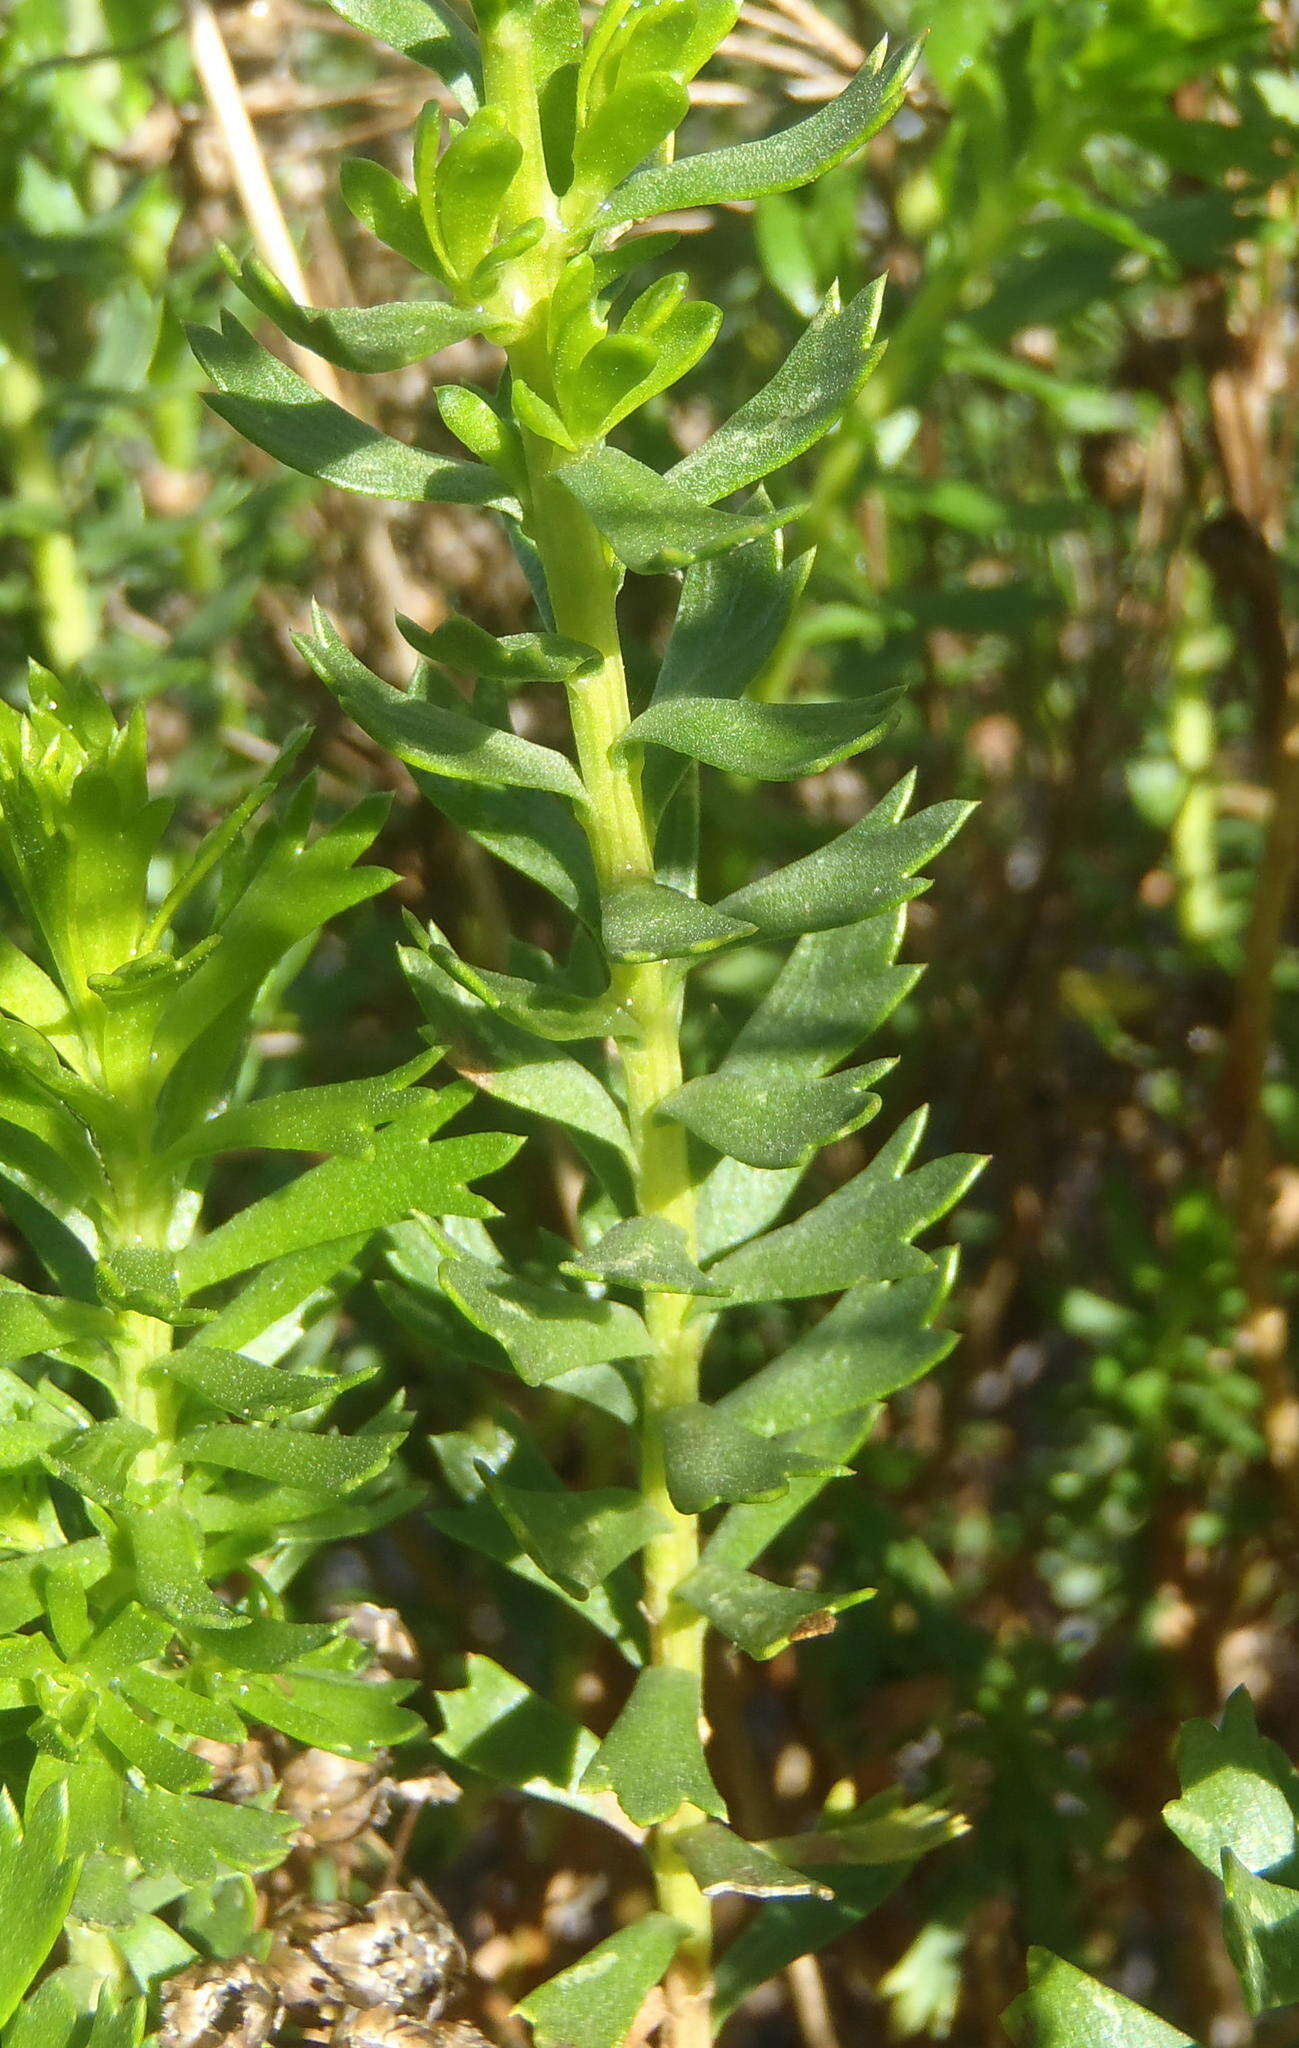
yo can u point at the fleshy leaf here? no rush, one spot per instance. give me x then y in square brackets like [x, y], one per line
[710, 1458]
[495, 1725]
[1239, 1792]
[651, 522]
[649, 921]
[867, 869]
[429, 32]
[768, 1117]
[721, 1861]
[430, 736]
[279, 412]
[361, 338]
[547, 1331]
[514, 658]
[37, 1881]
[771, 742]
[578, 1539]
[1260, 1921]
[593, 2003]
[776, 163]
[807, 397]
[1065, 2008]
[653, 1757]
[761, 1618]
[643, 1251]
[293, 1457]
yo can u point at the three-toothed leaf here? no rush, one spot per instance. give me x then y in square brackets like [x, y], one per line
[768, 1117]
[1065, 2008]
[643, 1251]
[709, 1458]
[807, 397]
[721, 1861]
[593, 2003]
[758, 1616]
[771, 742]
[653, 1759]
[547, 1331]
[649, 921]
[777, 163]
[578, 1539]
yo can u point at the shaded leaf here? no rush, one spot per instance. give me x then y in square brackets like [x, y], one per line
[653, 1759]
[648, 921]
[644, 1251]
[768, 1117]
[720, 1861]
[771, 742]
[547, 1331]
[761, 1618]
[578, 1539]
[711, 1458]
[651, 522]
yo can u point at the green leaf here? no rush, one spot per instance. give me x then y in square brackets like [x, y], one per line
[37, 1881]
[877, 1339]
[777, 163]
[245, 1387]
[784, 1929]
[352, 1717]
[513, 659]
[384, 205]
[1240, 1792]
[760, 1617]
[545, 1008]
[733, 613]
[30, 1323]
[429, 32]
[1064, 2008]
[360, 338]
[345, 1198]
[720, 1861]
[279, 412]
[428, 736]
[462, 191]
[578, 1539]
[294, 1457]
[884, 1830]
[711, 1458]
[497, 1726]
[835, 989]
[547, 1331]
[1260, 1921]
[651, 522]
[771, 742]
[867, 869]
[167, 1547]
[649, 921]
[768, 1117]
[646, 1252]
[23, 1580]
[861, 1232]
[621, 133]
[653, 1759]
[339, 1116]
[199, 1840]
[808, 396]
[593, 2003]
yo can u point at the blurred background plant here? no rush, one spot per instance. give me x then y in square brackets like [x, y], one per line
[1062, 519]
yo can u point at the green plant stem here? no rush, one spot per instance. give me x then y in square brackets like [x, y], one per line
[62, 598]
[582, 581]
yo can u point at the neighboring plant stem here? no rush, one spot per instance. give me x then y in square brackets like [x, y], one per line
[63, 600]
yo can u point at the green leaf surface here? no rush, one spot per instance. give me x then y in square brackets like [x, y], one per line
[711, 1458]
[578, 1539]
[649, 921]
[280, 413]
[860, 1233]
[496, 1725]
[721, 1861]
[808, 396]
[835, 989]
[877, 1339]
[345, 1198]
[360, 338]
[1240, 1792]
[245, 1387]
[761, 1618]
[651, 522]
[767, 1116]
[294, 1457]
[653, 1758]
[646, 1252]
[512, 658]
[1260, 1921]
[199, 1840]
[429, 32]
[352, 1717]
[37, 1881]
[784, 1929]
[547, 1331]
[429, 736]
[593, 2003]
[771, 742]
[167, 1548]
[339, 1116]
[777, 163]
[867, 869]
[1065, 2008]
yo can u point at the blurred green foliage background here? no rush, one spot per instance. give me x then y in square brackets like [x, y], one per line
[1062, 518]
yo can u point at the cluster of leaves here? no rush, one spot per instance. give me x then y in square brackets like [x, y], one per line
[166, 1458]
[1238, 1814]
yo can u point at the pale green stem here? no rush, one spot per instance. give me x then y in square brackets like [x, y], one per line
[62, 598]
